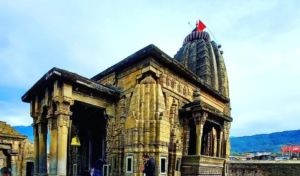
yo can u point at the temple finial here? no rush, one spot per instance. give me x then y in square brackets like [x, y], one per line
[196, 95]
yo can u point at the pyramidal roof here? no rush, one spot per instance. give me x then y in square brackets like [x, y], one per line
[7, 131]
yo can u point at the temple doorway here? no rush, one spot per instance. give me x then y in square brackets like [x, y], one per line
[29, 169]
[210, 137]
[89, 125]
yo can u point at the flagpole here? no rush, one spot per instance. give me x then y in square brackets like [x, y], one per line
[204, 26]
[191, 27]
[212, 34]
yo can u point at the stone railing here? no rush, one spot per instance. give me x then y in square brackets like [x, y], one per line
[201, 165]
[274, 168]
[202, 159]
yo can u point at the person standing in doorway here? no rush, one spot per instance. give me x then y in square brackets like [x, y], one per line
[97, 169]
[149, 167]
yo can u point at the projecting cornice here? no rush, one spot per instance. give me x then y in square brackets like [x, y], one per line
[56, 73]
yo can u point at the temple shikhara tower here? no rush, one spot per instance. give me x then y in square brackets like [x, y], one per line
[176, 110]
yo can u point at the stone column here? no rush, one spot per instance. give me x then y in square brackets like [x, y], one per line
[15, 164]
[200, 119]
[52, 122]
[227, 126]
[42, 147]
[63, 114]
[220, 144]
[14, 159]
[208, 147]
[186, 135]
[215, 142]
[19, 168]
[63, 125]
[36, 149]
[24, 162]
[199, 130]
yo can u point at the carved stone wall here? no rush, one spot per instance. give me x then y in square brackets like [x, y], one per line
[183, 88]
[150, 94]
[147, 125]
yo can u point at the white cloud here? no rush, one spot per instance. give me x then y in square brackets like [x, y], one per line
[15, 114]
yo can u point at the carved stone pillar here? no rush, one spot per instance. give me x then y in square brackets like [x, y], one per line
[24, 164]
[208, 146]
[42, 127]
[36, 148]
[186, 136]
[215, 142]
[227, 126]
[63, 125]
[19, 168]
[14, 159]
[220, 144]
[52, 122]
[200, 119]
[63, 114]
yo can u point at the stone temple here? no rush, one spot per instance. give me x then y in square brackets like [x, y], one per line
[176, 110]
[16, 152]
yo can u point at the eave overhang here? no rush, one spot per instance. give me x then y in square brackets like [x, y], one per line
[156, 53]
[196, 106]
[56, 73]
[20, 136]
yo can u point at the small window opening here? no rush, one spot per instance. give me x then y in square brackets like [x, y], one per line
[129, 164]
[106, 170]
[163, 165]
[178, 165]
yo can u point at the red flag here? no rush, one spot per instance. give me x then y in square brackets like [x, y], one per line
[201, 26]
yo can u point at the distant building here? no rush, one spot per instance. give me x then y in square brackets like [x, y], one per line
[260, 153]
[16, 151]
[249, 155]
[233, 158]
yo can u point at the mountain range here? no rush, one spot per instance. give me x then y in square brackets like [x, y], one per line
[265, 142]
[25, 130]
[260, 142]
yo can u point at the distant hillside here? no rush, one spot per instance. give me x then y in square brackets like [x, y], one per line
[264, 142]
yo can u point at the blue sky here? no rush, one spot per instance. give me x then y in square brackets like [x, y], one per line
[260, 40]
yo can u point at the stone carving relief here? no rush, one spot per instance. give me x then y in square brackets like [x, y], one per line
[63, 104]
[63, 120]
[227, 126]
[200, 117]
[52, 124]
